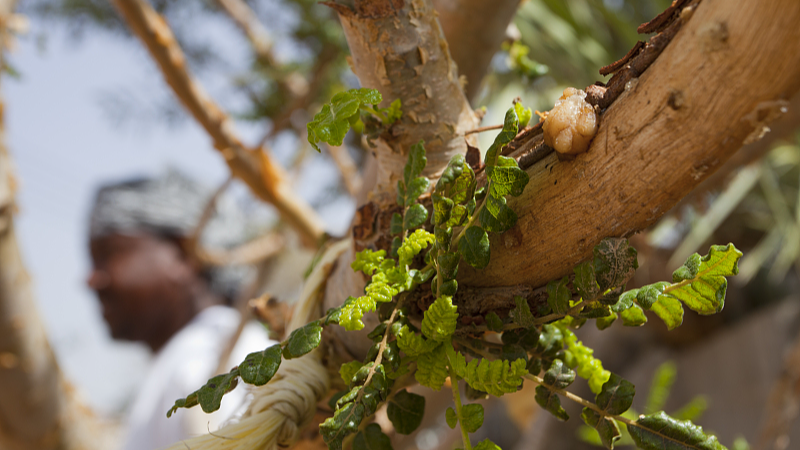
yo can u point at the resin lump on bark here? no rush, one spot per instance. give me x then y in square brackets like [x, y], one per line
[571, 124]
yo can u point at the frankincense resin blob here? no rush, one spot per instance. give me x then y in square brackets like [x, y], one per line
[571, 124]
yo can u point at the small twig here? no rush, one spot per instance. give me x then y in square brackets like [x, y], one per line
[347, 167]
[482, 129]
[208, 212]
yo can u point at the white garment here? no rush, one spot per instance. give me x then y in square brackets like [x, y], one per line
[185, 363]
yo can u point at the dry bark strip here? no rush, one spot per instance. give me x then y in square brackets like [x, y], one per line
[726, 72]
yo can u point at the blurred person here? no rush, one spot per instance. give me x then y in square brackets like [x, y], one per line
[152, 291]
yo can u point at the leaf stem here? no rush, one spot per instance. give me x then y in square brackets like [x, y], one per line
[457, 401]
[580, 400]
[381, 348]
[482, 129]
[555, 316]
[454, 242]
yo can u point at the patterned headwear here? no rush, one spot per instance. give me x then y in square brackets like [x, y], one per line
[171, 205]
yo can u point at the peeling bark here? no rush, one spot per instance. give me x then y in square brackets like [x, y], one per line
[398, 48]
[725, 75]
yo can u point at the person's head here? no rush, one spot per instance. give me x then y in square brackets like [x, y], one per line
[147, 284]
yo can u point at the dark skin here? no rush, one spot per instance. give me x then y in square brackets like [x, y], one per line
[149, 289]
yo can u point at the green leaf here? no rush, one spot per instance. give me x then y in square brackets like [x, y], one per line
[494, 322]
[416, 215]
[457, 181]
[393, 113]
[451, 417]
[448, 264]
[416, 162]
[332, 123]
[527, 338]
[368, 261]
[496, 216]
[417, 187]
[606, 427]
[439, 321]
[472, 417]
[486, 444]
[559, 375]
[413, 344]
[210, 395]
[521, 314]
[616, 396]
[660, 387]
[702, 282]
[344, 422]
[495, 377]
[449, 288]
[349, 370]
[406, 411]
[372, 438]
[474, 247]
[605, 322]
[259, 367]
[662, 432]
[649, 294]
[559, 295]
[303, 340]
[414, 243]
[442, 208]
[523, 113]
[633, 316]
[669, 309]
[506, 178]
[432, 368]
[510, 124]
[584, 282]
[614, 262]
[396, 225]
[548, 400]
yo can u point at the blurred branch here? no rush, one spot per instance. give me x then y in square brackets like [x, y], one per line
[251, 252]
[246, 20]
[347, 167]
[208, 212]
[474, 30]
[253, 166]
[783, 406]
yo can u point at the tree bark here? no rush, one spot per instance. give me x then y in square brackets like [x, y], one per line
[474, 30]
[727, 73]
[38, 409]
[398, 48]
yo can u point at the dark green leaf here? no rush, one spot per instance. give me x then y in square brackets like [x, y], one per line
[648, 295]
[474, 394]
[534, 366]
[606, 427]
[616, 396]
[416, 162]
[550, 402]
[513, 352]
[416, 215]
[406, 411]
[457, 181]
[303, 340]
[349, 370]
[442, 207]
[451, 417]
[559, 375]
[372, 438]
[259, 367]
[614, 262]
[669, 309]
[396, 226]
[633, 316]
[550, 342]
[521, 314]
[494, 322]
[443, 237]
[496, 216]
[210, 395]
[449, 288]
[474, 247]
[448, 265]
[559, 295]
[595, 310]
[396, 243]
[584, 282]
[472, 416]
[417, 187]
[661, 432]
[625, 301]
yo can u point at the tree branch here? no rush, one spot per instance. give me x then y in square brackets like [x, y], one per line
[726, 73]
[398, 48]
[255, 167]
[474, 30]
[245, 18]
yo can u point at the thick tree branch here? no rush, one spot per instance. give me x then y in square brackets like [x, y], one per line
[398, 48]
[726, 73]
[474, 30]
[255, 167]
